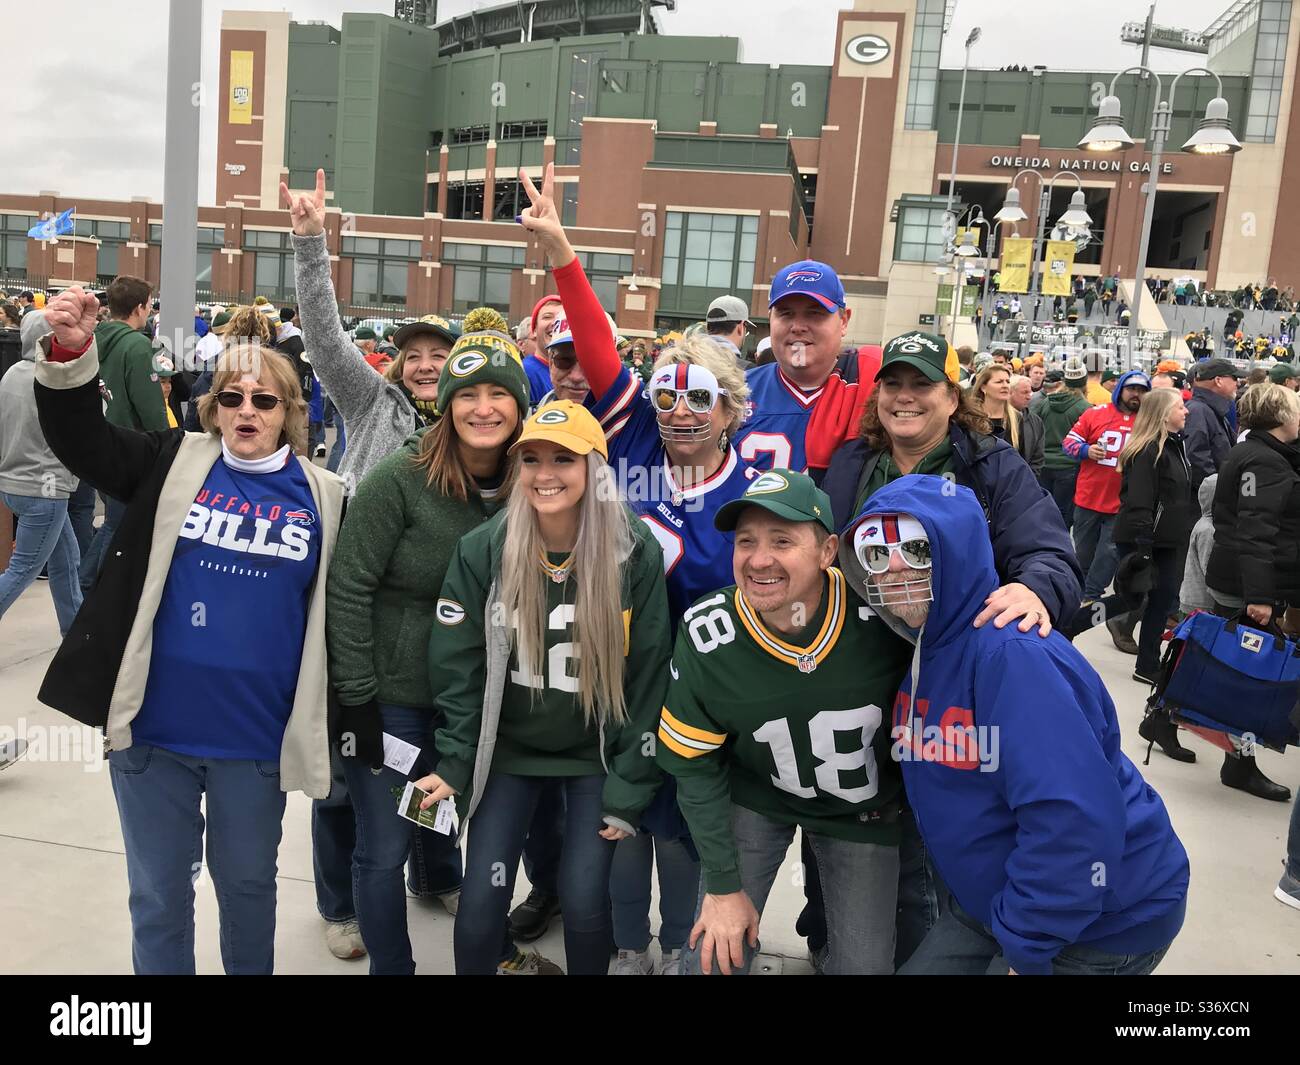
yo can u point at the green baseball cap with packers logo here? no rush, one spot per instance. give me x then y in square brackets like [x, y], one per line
[485, 357]
[430, 325]
[930, 354]
[786, 494]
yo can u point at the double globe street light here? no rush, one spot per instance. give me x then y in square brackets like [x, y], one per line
[1212, 136]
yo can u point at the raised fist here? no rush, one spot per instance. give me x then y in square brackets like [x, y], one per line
[73, 315]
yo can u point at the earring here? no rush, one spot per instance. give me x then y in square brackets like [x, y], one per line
[723, 440]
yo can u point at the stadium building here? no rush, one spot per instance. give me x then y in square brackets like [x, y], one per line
[684, 171]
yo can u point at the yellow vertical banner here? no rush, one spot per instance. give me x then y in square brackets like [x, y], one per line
[1016, 253]
[1060, 261]
[241, 88]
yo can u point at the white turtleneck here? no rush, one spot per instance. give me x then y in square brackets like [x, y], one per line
[271, 464]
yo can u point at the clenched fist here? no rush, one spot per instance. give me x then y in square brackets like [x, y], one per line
[73, 315]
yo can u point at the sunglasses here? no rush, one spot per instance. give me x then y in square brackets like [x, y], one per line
[875, 557]
[261, 400]
[698, 400]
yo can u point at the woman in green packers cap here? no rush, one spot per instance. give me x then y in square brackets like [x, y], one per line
[403, 522]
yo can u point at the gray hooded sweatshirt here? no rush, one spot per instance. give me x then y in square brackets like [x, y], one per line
[1195, 595]
[27, 465]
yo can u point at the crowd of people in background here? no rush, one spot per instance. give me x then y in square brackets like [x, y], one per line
[772, 558]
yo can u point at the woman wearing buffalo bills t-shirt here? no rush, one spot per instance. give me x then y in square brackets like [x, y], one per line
[670, 447]
[201, 648]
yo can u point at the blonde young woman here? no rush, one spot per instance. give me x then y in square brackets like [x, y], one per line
[991, 395]
[550, 656]
[1156, 513]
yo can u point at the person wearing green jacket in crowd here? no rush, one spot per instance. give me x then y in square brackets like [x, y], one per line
[551, 659]
[401, 531]
[133, 397]
[1059, 406]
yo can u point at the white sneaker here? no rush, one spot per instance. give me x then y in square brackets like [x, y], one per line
[670, 964]
[633, 963]
[320, 451]
[450, 901]
[344, 939]
[11, 751]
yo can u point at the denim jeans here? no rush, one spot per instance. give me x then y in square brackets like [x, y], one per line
[1095, 551]
[960, 946]
[922, 896]
[629, 891]
[384, 841]
[81, 511]
[94, 557]
[333, 839]
[1060, 485]
[158, 796]
[545, 842]
[44, 535]
[496, 841]
[859, 890]
[1160, 601]
[340, 444]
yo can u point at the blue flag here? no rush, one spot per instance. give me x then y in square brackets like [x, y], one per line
[53, 227]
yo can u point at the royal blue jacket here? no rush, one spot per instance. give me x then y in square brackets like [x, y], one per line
[1031, 544]
[1040, 825]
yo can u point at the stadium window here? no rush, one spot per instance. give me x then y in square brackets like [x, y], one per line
[13, 248]
[471, 134]
[481, 274]
[710, 250]
[512, 131]
[465, 200]
[569, 206]
[509, 200]
[379, 268]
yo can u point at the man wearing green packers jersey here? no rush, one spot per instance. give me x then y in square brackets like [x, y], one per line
[777, 718]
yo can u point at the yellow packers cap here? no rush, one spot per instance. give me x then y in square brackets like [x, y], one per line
[566, 424]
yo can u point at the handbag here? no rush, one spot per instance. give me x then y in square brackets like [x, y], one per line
[1220, 673]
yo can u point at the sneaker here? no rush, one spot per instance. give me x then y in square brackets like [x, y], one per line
[532, 917]
[11, 751]
[670, 964]
[528, 964]
[1121, 634]
[450, 901]
[633, 963]
[1142, 678]
[319, 453]
[1287, 891]
[344, 939]
[42, 576]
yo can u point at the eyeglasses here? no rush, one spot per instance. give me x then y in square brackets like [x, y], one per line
[698, 400]
[261, 400]
[914, 553]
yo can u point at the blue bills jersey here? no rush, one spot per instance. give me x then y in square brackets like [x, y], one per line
[772, 434]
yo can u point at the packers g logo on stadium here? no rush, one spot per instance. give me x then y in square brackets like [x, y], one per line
[449, 612]
[868, 49]
[552, 417]
[466, 363]
[767, 482]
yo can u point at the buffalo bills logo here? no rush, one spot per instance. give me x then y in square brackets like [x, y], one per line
[871, 530]
[796, 276]
[300, 517]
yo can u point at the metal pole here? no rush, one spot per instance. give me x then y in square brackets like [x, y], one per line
[1159, 129]
[956, 140]
[181, 177]
[1035, 277]
[1146, 36]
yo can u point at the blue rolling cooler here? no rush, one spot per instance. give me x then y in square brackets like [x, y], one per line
[1219, 673]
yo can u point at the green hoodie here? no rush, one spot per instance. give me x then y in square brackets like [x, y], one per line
[385, 578]
[498, 722]
[127, 379]
[1059, 411]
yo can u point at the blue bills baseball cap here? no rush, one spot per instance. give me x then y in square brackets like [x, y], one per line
[809, 278]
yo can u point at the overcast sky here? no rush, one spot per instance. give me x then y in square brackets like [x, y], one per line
[89, 76]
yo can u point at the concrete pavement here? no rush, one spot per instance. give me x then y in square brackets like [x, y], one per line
[63, 891]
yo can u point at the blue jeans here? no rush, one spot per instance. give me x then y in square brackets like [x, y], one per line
[922, 896]
[1060, 485]
[545, 842]
[340, 444]
[496, 841]
[384, 842]
[1162, 600]
[81, 511]
[629, 891]
[44, 535]
[93, 559]
[333, 839]
[960, 946]
[1095, 551]
[859, 891]
[158, 794]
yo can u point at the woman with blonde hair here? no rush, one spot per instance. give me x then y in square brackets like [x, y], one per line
[991, 395]
[550, 656]
[219, 565]
[404, 521]
[669, 442]
[1156, 513]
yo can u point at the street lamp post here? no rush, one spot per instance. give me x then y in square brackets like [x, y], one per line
[961, 106]
[1107, 134]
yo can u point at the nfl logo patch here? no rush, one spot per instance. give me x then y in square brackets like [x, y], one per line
[807, 663]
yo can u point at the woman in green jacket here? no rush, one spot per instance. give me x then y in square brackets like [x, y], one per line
[550, 656]
[402, 527]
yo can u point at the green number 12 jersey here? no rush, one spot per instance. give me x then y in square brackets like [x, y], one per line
[798, 732]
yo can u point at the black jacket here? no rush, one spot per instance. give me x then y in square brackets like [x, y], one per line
[1208, 434]
[1256, 511]
[1156, 504]
[1030, 541]
[1033, 438]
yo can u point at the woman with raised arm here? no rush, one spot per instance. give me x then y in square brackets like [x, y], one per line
[670, 447]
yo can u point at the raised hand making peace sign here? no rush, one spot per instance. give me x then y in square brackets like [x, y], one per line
[543, 218]
[307, 211]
